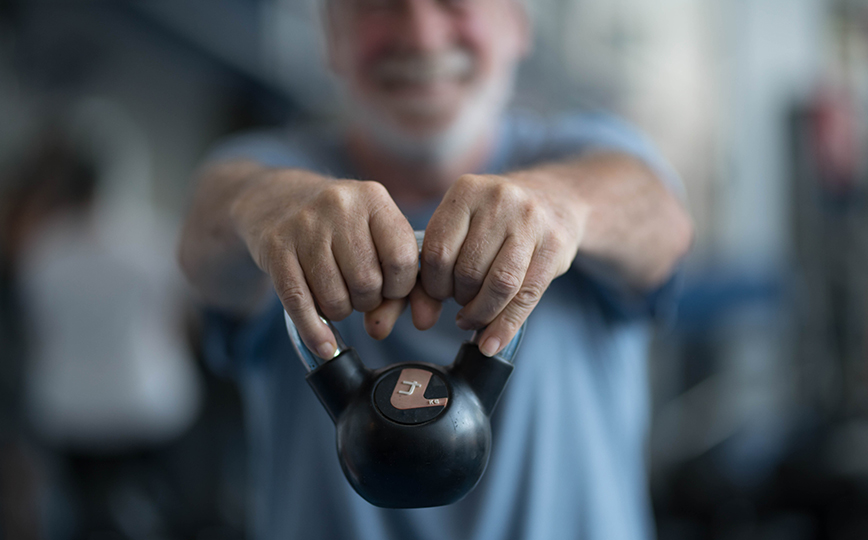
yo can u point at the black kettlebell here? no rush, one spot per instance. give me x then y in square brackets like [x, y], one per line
[413, 434]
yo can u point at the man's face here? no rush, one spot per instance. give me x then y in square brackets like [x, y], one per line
[418, 68]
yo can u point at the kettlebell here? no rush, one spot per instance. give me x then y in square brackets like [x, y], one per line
[412, 434]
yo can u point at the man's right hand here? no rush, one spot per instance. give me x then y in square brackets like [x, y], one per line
[337, 244]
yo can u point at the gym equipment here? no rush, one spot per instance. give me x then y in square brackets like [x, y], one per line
[412, 434]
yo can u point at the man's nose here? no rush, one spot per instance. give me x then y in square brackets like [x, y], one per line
[425, 26]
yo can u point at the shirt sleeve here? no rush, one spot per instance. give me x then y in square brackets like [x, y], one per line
[581, 133]
[230, 342]
[271, 148]
[659, 304]
[577, 134]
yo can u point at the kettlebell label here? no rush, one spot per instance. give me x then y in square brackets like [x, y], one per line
[412, 384]
[405, 396]
[411, 395]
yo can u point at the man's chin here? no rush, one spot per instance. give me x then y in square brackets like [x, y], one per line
[434, 132]
[418, 115]
[420, 127]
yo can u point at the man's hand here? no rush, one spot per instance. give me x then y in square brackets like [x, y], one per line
[495, 244]
[339, 245]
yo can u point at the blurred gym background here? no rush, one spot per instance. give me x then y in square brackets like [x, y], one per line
[110, 427]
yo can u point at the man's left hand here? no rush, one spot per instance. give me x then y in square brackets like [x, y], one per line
[494, 244]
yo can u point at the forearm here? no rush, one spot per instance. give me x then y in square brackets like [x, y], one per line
[633, 229]
[213, 256]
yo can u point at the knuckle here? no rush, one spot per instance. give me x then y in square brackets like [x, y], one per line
[467, 274]
[552, 246]
[504, 282]
[468, 183]
[532, 214]
[528, 295]
[437, 256]
[367, 283]
[374, 189]
[512, 319]
[555, 244]
[402, 260]
[337, 195]
[506, 193]
[466, 180]
[304, 221]
[292, 294]
[336, 307]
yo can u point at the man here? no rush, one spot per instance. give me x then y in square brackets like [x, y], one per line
[508, 205]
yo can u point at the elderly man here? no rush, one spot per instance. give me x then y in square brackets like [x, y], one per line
[580, 209]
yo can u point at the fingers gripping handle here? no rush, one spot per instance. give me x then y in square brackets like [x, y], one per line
[311, 361]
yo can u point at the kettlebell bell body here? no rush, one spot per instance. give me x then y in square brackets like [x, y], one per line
[412, 434]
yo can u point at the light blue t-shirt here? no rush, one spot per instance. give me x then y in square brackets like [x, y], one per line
[567, 458]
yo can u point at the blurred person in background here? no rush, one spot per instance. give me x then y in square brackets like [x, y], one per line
[52, 180]
[580, 207]
[103, 374]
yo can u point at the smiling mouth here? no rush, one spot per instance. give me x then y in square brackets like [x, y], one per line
[428, 90]
[423, 74]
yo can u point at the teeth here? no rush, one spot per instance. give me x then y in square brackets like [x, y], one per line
[425, 69]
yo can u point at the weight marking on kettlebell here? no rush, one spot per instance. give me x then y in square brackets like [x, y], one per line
[404, 395]
[399, 400]
[412, 384]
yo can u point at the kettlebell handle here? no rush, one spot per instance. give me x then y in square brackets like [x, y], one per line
[311, 361]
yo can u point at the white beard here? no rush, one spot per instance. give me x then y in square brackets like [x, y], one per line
[477, 118]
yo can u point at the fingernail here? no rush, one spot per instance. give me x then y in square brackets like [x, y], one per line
[463, 323]
[490, 347]
[326, 350]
